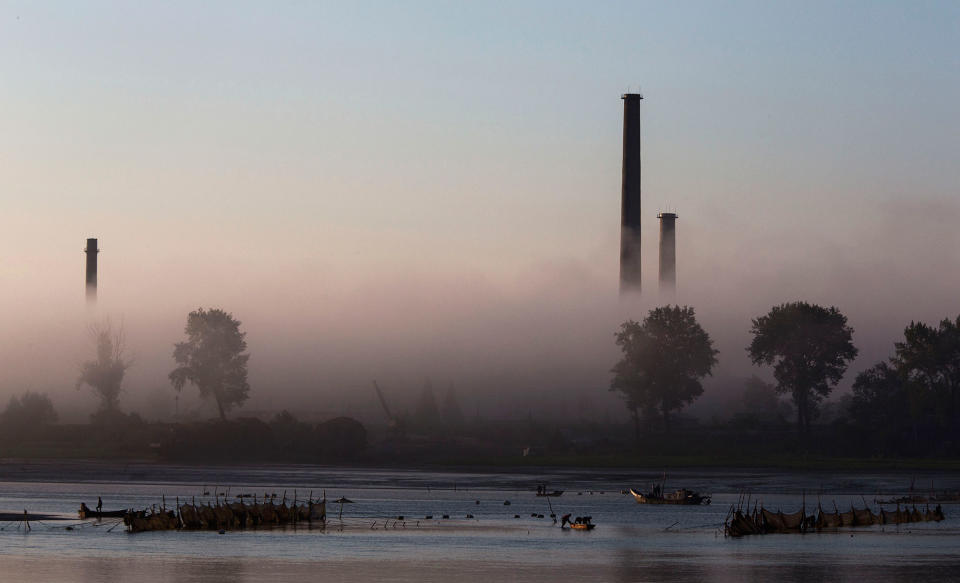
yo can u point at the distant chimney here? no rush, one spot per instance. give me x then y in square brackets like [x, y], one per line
[630, 196]
[91, 252]
[668, 253]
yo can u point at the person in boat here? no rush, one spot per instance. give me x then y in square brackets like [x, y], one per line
[99, 504]
[564, 520]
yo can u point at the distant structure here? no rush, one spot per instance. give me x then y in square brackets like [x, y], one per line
[630, 196]
[668, 253]
[91, 252]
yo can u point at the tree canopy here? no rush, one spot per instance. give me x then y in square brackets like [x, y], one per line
[881, 405]
[105, 374]
[27, 414]
[213, 358]
[760, 399]
[809, 347]
[664, 358]
[928, 361]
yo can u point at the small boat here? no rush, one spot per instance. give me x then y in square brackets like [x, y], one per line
[681, 496]
[85, 512]
[542, 491]
[578, 523]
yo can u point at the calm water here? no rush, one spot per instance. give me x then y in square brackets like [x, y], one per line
[631, 542]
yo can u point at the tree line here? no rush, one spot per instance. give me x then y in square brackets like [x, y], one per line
[213, 358]
[905, 404]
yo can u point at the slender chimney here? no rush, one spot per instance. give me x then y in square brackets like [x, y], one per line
[668, 253]
[630, 196]
[91, 252]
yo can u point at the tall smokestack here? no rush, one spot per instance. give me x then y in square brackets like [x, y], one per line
[630, 196]
[668, 253]
[91, 252]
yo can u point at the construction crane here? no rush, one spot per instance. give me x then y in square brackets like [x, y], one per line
[392, 421]
[383, 403]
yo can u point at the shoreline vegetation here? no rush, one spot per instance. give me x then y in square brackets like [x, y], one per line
[903, 413]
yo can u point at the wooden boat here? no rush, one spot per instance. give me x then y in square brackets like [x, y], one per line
[681, 496]
[578, 523]
[86, 513]
[542, 491]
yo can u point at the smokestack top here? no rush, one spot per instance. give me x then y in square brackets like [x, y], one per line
[92, 246]
[631, 96]
[666, 215]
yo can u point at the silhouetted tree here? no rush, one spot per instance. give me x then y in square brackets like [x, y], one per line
[928, 359]
[213, 358]
[809, 346]
[289, 434]
[664, 359]
[105, 374]
[760, 399]
[341, 438]
[27, 414]
[881, 406]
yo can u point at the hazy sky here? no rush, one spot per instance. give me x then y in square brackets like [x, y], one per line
[401, 190]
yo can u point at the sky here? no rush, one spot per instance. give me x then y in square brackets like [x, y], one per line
[398, 191]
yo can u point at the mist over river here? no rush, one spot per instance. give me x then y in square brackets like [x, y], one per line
[371, 543]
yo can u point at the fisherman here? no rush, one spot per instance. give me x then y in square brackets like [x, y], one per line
[99, 504]
[564, 520]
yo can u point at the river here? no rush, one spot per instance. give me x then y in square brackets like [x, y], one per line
[505, 542]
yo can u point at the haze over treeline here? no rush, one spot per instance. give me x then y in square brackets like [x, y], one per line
[432, 191]
[537, 340]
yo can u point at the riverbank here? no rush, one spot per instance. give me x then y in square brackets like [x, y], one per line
[524, 475]
[15, 456]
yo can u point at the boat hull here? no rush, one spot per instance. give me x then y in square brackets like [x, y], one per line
[691, 499]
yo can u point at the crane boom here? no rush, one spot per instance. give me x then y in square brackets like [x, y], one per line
[383, 403]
